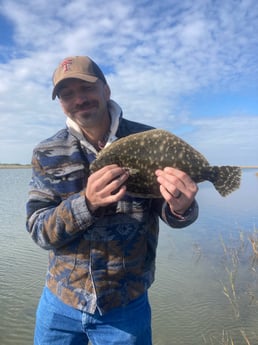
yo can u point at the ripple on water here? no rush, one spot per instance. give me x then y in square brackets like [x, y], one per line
[188, 304]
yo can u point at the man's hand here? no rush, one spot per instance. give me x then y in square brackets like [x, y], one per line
[177, 188]
[105, 186]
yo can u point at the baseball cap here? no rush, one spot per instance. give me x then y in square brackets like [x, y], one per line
[79, 67]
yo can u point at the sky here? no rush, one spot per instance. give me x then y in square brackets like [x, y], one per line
[190, 67]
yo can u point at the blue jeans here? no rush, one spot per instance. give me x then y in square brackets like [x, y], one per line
[60, 324]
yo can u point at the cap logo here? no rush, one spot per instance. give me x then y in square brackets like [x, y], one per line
[66, 64]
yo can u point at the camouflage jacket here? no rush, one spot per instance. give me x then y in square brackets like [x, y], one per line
[101, 260]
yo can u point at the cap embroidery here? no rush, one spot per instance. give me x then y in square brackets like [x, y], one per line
[66, 64]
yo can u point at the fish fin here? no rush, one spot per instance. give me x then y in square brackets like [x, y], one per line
[143, 195]
[226, 179]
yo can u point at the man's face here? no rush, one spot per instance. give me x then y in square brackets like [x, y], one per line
[84, 102]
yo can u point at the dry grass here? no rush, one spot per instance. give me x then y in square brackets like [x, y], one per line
[246, 247]
[225, 339]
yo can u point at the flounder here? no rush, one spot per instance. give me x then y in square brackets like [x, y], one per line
[143, 153]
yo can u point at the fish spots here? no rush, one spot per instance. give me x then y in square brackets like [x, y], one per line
[156, 149]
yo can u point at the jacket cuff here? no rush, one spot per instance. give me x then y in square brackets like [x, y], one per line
[81, 213]
[178, 220]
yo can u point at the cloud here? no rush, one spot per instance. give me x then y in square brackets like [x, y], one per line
[156, 55]
[225, 140]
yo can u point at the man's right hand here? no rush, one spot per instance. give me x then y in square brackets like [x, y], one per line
[105, 186]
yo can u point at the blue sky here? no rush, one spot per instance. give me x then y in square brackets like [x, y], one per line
[188, 66]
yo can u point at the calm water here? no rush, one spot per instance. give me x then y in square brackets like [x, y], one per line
[206, 289]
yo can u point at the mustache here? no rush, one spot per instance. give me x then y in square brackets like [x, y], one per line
[85, 105]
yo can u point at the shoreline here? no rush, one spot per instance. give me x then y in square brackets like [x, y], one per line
[15, 166]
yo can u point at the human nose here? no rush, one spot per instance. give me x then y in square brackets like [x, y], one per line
[80, 96]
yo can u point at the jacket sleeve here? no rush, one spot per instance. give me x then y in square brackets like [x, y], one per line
[56, 207]
[174, 221]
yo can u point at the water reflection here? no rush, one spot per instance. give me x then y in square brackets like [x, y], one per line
[199, 266]
[196, 268]
[23, 265]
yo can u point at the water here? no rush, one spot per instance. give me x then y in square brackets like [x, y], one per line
[206, 289]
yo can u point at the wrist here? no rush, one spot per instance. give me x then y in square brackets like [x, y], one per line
[90, 206]
[180, 214]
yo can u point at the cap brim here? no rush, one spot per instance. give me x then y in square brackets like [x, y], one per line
[89, 78]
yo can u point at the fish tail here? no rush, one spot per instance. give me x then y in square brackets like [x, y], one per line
[226, 179]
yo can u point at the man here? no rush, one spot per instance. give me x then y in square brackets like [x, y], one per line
[102, 242]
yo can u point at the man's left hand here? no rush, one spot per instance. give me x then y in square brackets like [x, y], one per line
[177, 188]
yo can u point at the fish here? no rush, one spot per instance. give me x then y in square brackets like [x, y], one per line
[141, 154]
